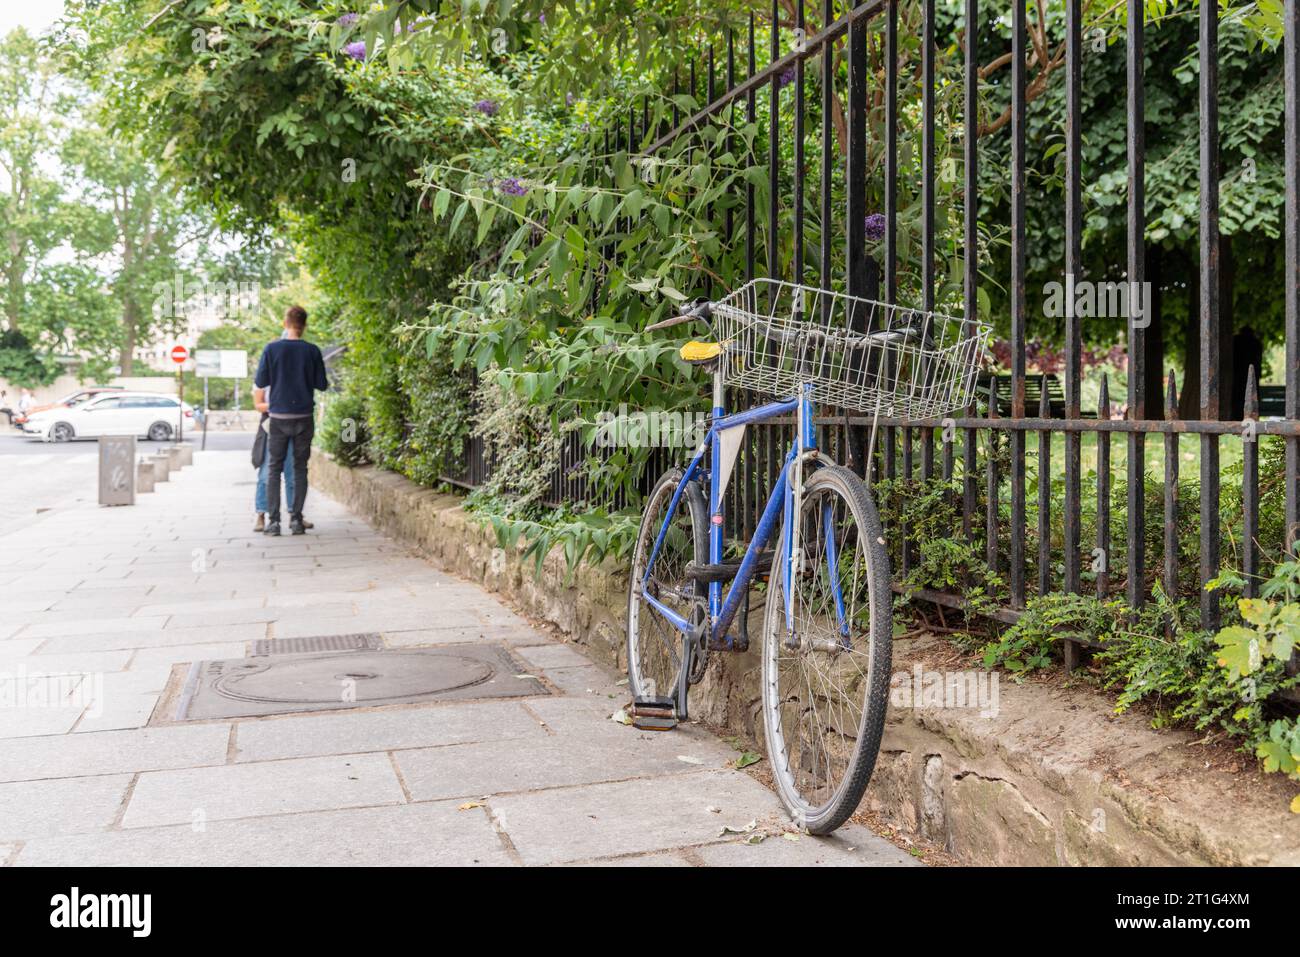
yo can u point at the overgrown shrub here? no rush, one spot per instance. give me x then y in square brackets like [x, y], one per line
[522, 443]
[438, 415]
[343, 432]
[943, 559]
[20, 365]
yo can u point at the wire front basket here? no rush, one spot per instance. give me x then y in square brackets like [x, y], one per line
[855, 353]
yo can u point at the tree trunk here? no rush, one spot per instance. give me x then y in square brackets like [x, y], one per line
[1247, 353]
[130, 317]
[127, 359]
[14, 296]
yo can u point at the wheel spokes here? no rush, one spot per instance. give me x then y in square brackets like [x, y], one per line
[820, 688]
[657, 644]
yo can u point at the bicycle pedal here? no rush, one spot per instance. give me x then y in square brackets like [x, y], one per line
[654, 714]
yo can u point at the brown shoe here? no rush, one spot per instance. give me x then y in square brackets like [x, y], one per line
[260, 524]
[307, 524]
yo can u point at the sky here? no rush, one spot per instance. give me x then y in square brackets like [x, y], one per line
[35, 15]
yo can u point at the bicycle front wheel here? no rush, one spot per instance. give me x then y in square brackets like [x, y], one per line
[826, 680]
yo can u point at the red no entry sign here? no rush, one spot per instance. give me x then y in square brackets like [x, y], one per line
[180, 354]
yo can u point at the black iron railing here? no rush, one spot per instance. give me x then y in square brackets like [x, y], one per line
[969, 440]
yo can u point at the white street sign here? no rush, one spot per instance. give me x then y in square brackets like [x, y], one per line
[221, 363]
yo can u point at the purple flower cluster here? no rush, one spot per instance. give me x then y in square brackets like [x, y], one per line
[512, 187]
[356, 49]
[487, 107]
[348, 19]
[568, 99]
[785, 78]
[876, 227]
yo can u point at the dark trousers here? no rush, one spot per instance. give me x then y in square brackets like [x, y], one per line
[277, 444]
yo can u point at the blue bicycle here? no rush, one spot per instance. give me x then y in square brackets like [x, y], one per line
[827, 624]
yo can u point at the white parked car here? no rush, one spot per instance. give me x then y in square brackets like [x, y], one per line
[145, 414]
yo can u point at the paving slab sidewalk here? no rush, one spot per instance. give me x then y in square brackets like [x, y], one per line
[104, 775]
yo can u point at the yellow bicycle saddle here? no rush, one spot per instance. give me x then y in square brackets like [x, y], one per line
[696, 352]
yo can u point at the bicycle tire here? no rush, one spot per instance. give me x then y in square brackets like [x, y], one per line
[779, 708]
[692, 508]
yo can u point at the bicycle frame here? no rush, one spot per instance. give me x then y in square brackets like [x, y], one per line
[782, 502]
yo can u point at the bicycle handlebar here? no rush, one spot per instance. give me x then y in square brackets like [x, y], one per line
[699, 309]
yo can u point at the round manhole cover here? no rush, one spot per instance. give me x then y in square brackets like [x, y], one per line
[356, 677]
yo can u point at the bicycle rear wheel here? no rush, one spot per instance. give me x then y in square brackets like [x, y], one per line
[655, 649]
[826, 683]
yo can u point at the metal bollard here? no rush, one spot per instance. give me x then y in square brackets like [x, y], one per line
[117, 470]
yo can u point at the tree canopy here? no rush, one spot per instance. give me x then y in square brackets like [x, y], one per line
[446, 172]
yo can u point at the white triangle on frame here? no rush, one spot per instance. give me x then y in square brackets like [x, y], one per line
[728, 446]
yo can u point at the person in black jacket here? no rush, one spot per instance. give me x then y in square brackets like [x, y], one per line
[294, 370]
[262, 461]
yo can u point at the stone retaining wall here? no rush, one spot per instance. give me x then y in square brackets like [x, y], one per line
[1054, 777]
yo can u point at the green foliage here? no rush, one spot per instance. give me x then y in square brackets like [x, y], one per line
[1047, 620]
[640, 232]
[71, 315]
[1253, 653]
[31, 200]
[588, 536]
[943, 560]
[40, 301]
[1252, 158]
[1280, 751]
[20, 365]
[439, 416]
[138, 223]
[525, 446]
[519, 439]
[342, 430]
[289, 140]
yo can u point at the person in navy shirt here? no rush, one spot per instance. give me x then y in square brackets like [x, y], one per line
[293, 369]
